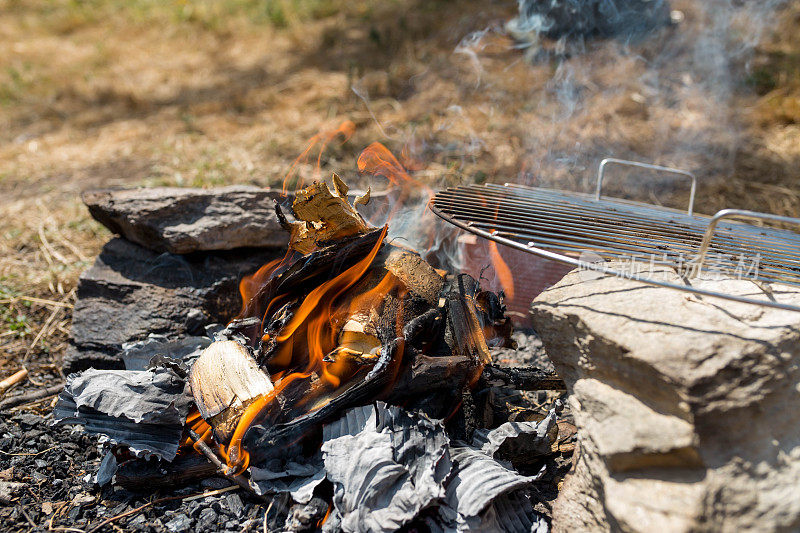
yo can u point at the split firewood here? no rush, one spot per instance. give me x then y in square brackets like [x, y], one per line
[324, 215]
[224, 380]
[427, 374]
[465, 334]
[417, 275]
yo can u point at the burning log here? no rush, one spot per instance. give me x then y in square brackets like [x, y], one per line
[343, 317]
[224, 380]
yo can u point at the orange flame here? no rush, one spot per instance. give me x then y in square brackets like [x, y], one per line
[250, 285]
[331, 289]
[323, 139]
[377, 160]
[409, 161]
[199, 426]
[368, 299]
[502, 270]
[313, 315]
[500, 266]
[325, 518]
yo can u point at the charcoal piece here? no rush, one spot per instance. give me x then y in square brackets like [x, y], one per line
[149, 475]
[207, 519]
[142, 410]
[528, 352]
[234, 504]
[518, 442]
[179, 524]
[426, 374]
[185, 220]
[277, 510]
[296, 476]
[476, 481]
[140, 355]
[131, 292]
[389, 470]
[423, 327]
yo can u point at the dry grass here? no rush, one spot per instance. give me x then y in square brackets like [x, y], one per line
[198, 93]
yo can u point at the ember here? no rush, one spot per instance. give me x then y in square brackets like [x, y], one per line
[346, 390]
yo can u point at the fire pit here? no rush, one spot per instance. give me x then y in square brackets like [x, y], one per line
[358, 389]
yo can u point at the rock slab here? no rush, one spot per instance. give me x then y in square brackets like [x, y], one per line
[184, 220]
[686, 406]
[131, 292]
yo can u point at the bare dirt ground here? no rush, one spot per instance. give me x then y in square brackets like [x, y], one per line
[109, 93]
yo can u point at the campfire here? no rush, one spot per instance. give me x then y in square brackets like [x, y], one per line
[352, 392]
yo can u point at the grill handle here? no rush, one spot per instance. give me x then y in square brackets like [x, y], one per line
[730, 213]
[601, 170]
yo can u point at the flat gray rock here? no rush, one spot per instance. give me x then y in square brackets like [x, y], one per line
[184, 220]
[131, 292]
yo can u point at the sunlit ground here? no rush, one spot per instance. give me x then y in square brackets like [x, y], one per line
[110, 93]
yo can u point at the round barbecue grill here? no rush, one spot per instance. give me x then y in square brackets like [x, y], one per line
[586, 231]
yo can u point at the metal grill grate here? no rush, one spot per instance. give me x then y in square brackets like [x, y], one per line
[580, 230]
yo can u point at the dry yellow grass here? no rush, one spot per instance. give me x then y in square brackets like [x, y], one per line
[128, 93]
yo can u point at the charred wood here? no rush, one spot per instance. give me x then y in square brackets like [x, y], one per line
[427, 374]
[265, 442]
[519, 378]
[312, 270]
[142, 475]
[32, 396]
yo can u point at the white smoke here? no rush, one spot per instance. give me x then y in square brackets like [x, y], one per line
[681, 77]
[661, 90]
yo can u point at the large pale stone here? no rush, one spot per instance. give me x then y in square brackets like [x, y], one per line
[687, 406]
